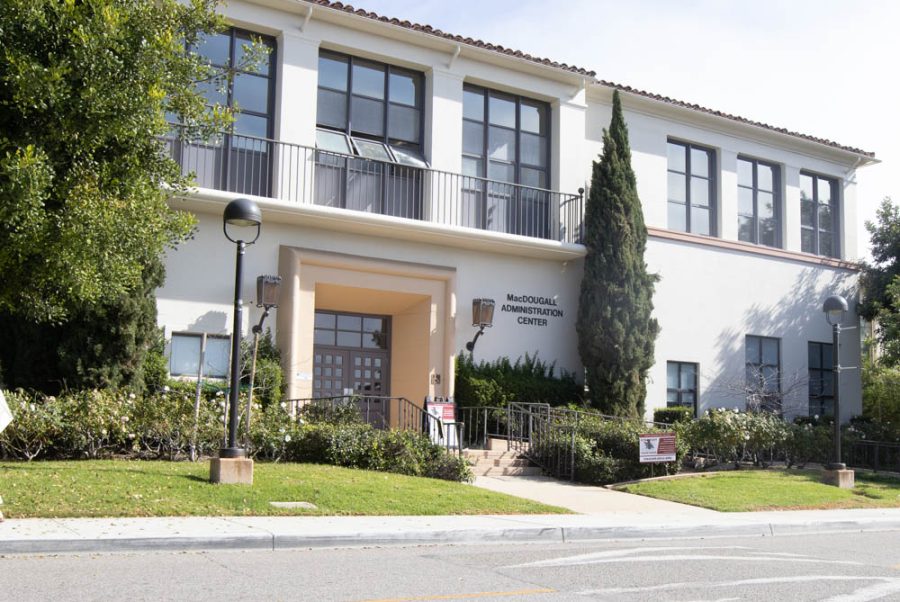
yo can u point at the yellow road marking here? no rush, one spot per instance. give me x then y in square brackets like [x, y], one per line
[519, 592]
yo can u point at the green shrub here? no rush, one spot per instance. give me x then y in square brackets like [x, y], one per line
[35, 428]
[527, 380]
[673, 414]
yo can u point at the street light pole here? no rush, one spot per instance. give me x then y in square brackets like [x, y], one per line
[232, 450]
[836, 368]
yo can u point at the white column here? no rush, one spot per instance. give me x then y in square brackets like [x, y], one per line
[443, 145]
[567, 163]
[791, 208]
[728, 196]
[848, 215]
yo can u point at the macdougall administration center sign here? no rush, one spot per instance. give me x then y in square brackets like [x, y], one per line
[657, 447]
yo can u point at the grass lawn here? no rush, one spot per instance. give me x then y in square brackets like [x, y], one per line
[753, 490]
[108, 488]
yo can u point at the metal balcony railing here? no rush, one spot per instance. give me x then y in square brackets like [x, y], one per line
[304, 175]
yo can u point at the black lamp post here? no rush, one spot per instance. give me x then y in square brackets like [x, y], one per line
[835, 307]
[482, 317]
[242, 215]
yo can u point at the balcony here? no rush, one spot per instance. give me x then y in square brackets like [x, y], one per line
[404, 189]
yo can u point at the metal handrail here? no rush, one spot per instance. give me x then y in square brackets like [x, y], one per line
[301, 174]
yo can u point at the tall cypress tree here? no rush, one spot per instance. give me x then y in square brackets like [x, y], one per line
[616, 332]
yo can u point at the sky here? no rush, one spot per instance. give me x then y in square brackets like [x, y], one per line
[827, 68]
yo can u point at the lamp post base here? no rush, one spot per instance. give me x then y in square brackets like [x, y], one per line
[231, 470]
[842, 478]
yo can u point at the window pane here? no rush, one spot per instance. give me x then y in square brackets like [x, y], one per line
[770, 351]
[700, 162]
[333, 142]
[217, 50]
[473, 138]
[700, 220]
[751, 350]
[814, 355]
[368, 79]
[501, 144]
[251, 125]
[745, 202]
[333, 72]
[825, 218]
[403, 123]
[745, 173]
[473, 167]
[371, 150]
[827, 360]
[251, 92]
[677, 192]
[765, 205]
[367, 116]
[473, 105]
[826, 244]
[687, 398]
[502, 111]
[676, 155]
[185, 355]
[824, 190]
[807, 241]
[218, 354]
[827, 383]
[533, 177]
[765, 177]
[807, 213]
[502, 172]
[699, 191]
[532, 117]
[350, 323]
[374, 340]
[349, 339]
[671, 397]
[403, 88]
[534, 150]
[373, 324]
[212, 90]
[677, 217]
[325, 320]
[241, 40]
[770, 379]
[672, 375]
[768, 233]
[806, 187]
[688, 377]
[332, 109]
[745, 229]
[323, 337]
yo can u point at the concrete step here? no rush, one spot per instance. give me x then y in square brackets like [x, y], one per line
[519, 471]
[488, 454]
[503, 462]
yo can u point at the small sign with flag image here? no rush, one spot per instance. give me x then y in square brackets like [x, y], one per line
[657, 447]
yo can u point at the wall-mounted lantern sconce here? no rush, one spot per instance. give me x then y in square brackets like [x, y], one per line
[482, 317]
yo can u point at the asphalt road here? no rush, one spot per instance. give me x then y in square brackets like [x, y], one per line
[842, 567]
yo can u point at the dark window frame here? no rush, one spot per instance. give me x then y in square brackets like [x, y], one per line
[835, 207]
[776, 201]
[388, 324]
[485, 123]
[818, 400]
[349, 94]
[759, 368]
[713, 179]
[679, 392]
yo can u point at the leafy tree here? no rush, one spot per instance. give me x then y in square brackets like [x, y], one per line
[881, 282]
[86, 91]
[85, 88]
[616, 332]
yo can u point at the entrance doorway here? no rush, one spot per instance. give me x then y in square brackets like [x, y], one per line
[351, 354]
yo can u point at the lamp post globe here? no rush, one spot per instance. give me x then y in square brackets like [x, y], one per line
[241, 214]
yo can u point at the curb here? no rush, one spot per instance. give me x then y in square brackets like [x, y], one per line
[457, 536]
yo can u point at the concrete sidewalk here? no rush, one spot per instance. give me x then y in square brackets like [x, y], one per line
[605, 515]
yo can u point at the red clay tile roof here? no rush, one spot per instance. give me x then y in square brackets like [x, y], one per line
[428, 29]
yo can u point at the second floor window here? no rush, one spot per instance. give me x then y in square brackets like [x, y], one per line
[505, 138]
[691, 188]
[759, 206]
[818, 215]
[763, 384]
[370, 100]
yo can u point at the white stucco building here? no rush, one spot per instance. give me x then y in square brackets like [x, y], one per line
[403, 172]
